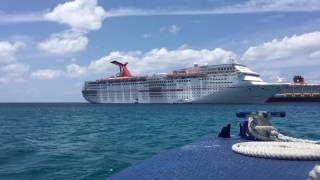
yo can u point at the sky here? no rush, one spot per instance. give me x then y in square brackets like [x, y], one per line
[49, 48]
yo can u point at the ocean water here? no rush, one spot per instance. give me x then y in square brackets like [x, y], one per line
[87, 141]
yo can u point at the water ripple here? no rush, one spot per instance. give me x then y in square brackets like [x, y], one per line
[85, 141]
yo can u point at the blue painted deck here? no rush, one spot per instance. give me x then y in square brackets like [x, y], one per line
[212, 158]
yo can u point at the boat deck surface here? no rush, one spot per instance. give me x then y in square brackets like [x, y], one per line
[212, 158]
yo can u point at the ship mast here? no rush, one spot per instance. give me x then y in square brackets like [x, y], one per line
[232, 60]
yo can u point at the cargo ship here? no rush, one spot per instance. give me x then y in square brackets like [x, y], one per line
[298, 91]
[225, 83]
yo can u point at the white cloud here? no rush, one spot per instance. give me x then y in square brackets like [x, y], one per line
[83, 15]
[161, 60]
[10, 69]
[75, 71]
[7, 79]
[297, 49]
[46, 74]
[64, 43]
[315, 54]
[174, 29]
[280, 59]
[22, 18]
[8, 51]
[273, 76]
[15, 72]
[312, 77]
[251, 6]
[87, 15]
[147, 35]
[71, 71]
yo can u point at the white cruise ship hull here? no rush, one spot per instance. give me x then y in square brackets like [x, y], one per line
[241, 95]
[255, 94]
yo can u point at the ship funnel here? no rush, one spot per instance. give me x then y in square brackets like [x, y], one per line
[124, 72]
[298, 80]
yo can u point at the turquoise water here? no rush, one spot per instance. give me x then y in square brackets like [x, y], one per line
[85, 141]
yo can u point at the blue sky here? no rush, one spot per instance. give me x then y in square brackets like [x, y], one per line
[49, 48]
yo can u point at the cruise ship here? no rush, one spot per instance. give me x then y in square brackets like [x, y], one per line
[225, 83]
[298, 91]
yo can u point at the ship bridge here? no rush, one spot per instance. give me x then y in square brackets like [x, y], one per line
[245, 70]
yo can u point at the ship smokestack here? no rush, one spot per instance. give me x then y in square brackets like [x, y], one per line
[124, 72]
[298, 80]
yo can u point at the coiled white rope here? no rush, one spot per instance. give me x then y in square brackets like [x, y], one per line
[274, 145]
[314, 174]
[279, 150]
[280, 137]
